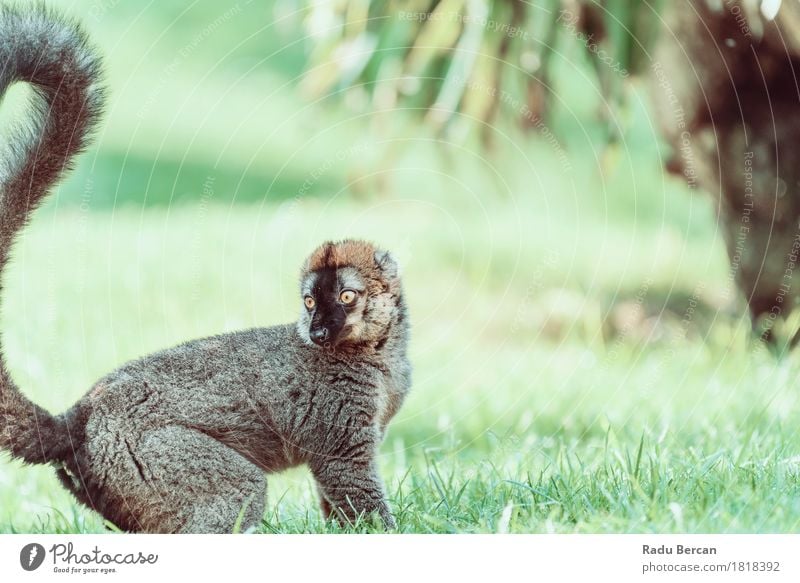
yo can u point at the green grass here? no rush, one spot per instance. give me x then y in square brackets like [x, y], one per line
[525, 416]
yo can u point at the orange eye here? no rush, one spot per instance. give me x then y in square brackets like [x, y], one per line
[309, 302]
[348, 296]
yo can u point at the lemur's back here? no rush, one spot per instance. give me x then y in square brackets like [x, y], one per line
[207, 382]
[224, 386]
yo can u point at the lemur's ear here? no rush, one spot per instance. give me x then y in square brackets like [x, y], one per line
[387, 264]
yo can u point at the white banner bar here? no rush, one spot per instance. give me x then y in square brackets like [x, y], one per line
[388, 558]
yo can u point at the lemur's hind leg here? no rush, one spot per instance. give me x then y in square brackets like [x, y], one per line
[175, 479]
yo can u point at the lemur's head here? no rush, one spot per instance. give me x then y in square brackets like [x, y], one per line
[351, 295]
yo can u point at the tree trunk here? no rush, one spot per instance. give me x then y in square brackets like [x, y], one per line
[725, 81]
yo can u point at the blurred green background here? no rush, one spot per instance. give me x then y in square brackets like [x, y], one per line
[582, 359]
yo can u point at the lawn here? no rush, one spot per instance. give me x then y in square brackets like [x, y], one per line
[541, 402]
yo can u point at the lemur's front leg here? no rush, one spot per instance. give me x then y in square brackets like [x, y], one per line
[324, 504]
[353, 489]
[348, 481]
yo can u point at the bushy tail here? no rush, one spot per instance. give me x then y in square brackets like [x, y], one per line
[52, 55]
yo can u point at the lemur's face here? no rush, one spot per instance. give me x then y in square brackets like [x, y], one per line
[349, 292]
[334, 301]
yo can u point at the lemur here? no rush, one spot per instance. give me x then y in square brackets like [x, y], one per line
[182, 440]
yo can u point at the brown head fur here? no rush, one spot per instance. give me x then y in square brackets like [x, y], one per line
[373, 263]
[359, 266]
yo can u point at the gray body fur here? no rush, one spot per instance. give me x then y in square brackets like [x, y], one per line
[181, 440]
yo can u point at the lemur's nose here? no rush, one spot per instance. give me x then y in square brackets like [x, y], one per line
[319, 335]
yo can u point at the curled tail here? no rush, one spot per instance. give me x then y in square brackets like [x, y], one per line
[52, 55]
